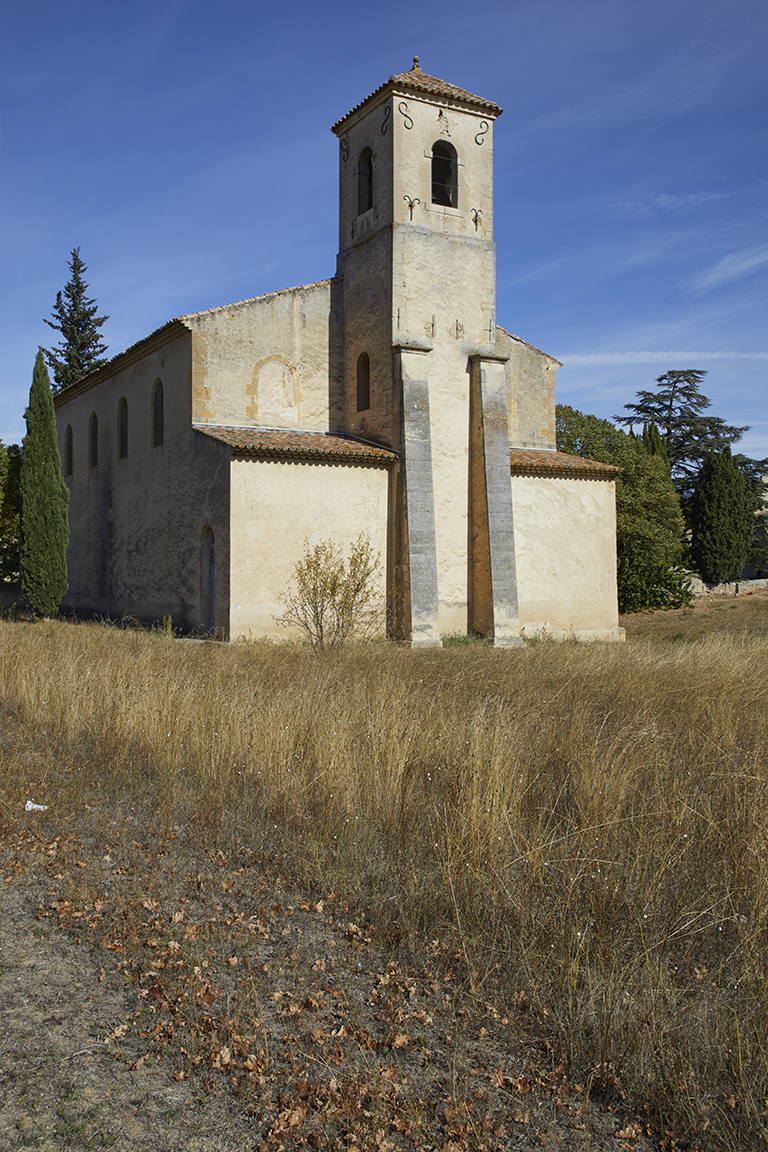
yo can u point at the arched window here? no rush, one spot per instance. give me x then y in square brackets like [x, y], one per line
[68, 453]
[93, 441]
[157, 414]
[122, 429]
[445, 175]
[363, 382]
[365, 181]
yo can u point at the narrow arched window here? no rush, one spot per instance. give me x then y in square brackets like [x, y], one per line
[93, 441]
[68, 453]
[363, 382]
[122, 429]
[445, 175]
[157, 415]
[365, 181]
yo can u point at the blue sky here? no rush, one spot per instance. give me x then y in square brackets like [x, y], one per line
[185, 147]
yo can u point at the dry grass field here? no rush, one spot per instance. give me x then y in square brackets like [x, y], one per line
[386, 899]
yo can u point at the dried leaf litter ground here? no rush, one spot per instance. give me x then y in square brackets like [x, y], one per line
[231, 1011]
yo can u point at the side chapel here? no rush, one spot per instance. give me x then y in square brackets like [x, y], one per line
[385, 401]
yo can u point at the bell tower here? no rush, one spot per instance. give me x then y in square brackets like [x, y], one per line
[421, 369]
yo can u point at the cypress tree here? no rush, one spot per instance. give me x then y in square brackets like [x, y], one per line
[722, 518]
[74, 315]
[44, 501]
[652, 441]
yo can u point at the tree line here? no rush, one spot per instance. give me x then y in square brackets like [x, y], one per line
[683, 500]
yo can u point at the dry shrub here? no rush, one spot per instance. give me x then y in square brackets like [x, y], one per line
[333, 600]
[582, 828]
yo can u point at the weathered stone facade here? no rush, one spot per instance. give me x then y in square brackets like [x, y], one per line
[384, 400]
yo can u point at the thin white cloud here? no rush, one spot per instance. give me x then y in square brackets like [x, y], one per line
[732, 267]
[579, 359]
[672, 201]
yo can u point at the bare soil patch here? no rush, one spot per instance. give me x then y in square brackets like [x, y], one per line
[223, 1009]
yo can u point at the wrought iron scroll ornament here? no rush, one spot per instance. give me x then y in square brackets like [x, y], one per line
[403, 110]
[483, 129]
[387, 114]
[411, 204]
[344, 149]
[476, 214]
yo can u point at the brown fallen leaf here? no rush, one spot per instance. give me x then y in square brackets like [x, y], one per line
[631, 1132]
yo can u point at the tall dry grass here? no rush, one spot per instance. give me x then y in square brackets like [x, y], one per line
[581, 828]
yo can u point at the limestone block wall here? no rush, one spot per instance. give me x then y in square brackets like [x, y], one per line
[565, 543]
[264, 363]
[530, 393]
[136, 521]
[279, 506]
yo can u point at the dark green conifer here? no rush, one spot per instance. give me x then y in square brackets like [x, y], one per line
[758, 549]
[44, 501]
[74, 315]
[654, 445]
[10, 515]
[722, 518]
[677, 409]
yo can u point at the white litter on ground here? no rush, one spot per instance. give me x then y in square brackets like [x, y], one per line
[31, 807]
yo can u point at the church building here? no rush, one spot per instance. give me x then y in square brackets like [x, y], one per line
[385, 401]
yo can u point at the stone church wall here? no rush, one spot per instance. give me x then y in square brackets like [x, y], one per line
[565, 545]
[133, 550]
[530, 393]
[278, 507]
[263, 363]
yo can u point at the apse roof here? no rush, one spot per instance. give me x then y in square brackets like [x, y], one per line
[273, 442]
[539, 462]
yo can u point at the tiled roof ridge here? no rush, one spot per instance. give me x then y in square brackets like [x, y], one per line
[297, 444]
[171, 330]
[416, 80]
[541, 460]
[165, 332]
[253, 299]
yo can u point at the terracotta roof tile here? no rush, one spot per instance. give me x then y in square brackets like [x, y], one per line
[540, 462]
[296, 445]
[420, 82]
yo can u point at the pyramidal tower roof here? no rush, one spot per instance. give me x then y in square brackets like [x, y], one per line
[419, 83]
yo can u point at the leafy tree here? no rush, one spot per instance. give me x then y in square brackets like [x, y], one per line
[3, 468]
[758, 549]
[10, 515]
[44, 500]
[3, 489]
[74, 315]
[334, 601]
[676, 409]
[722, 518]
[649, 523]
